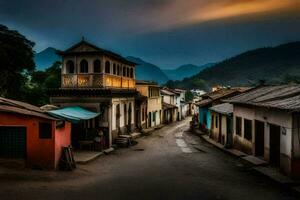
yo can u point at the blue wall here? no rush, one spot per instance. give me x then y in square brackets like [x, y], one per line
[204, 117]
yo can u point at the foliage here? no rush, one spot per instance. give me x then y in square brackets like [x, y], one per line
[291, 79]
[189, 96]
[40, 82]
[19, 80]
[16, 61]
[269, 64]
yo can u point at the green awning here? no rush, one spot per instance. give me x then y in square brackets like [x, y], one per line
[73, 114]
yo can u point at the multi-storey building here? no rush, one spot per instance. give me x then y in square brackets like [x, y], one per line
[154, 104]
[101, 81]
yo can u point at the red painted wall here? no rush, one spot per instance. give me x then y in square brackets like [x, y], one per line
[43, 153]
[62, 139]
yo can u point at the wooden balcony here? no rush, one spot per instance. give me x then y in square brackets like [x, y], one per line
[96, 81]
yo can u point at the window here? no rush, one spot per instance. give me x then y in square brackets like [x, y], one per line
[70, 67]
[154, 116]
[128, 73]
[248, 129]
[238, 126]
[212, 121]
[107, 67]
[97, 66]
[114, 69]
[45, 130]
[131, 73]
[124, 71]
[143, 116]
[84, 66]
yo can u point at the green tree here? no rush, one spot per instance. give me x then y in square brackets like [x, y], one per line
[291, 79]
[16, 61]
[189, 96]
[41, 81]
[197, 84]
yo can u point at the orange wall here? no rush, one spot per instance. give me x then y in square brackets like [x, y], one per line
[62, 139]
[40, 152]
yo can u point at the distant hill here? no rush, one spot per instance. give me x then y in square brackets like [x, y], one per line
[46, 58]
[270, 64]
[147, 71]
[185, 71]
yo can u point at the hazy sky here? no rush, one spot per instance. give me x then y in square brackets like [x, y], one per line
[168, 33]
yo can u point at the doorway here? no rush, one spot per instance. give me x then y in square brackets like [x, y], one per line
[13, 142]
[129, 118]
[149, 118]
[125, 115]
[137, 118]
[274, 145]
[229, 131]
[118, 115]
[259, 138]
[221, 140]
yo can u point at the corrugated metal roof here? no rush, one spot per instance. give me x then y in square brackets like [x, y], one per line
[224, 108]
[286, 97]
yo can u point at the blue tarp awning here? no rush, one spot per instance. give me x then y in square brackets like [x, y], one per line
[73, 114]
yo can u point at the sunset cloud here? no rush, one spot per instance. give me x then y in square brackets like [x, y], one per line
[166, 32]
[178, 13]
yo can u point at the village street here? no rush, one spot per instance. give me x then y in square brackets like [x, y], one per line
[170, 164]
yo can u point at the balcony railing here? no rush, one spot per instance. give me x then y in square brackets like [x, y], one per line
[96, 81]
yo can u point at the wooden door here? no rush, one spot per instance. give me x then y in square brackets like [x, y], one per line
[259, 138]
[274, 145]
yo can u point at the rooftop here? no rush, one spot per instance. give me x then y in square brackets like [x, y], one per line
[93, 49]
[167, 92]
[143, 82]
[220, 94]
[12, 106]
[285, 97]
[224, 108]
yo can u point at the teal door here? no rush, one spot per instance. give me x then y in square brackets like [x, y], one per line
[12, 142]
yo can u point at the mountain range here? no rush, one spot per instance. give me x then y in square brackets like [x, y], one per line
[46, 58]
[271, 65]
[144, 70]
[185, 71]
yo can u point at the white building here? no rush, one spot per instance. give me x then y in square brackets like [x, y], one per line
[266, 123]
